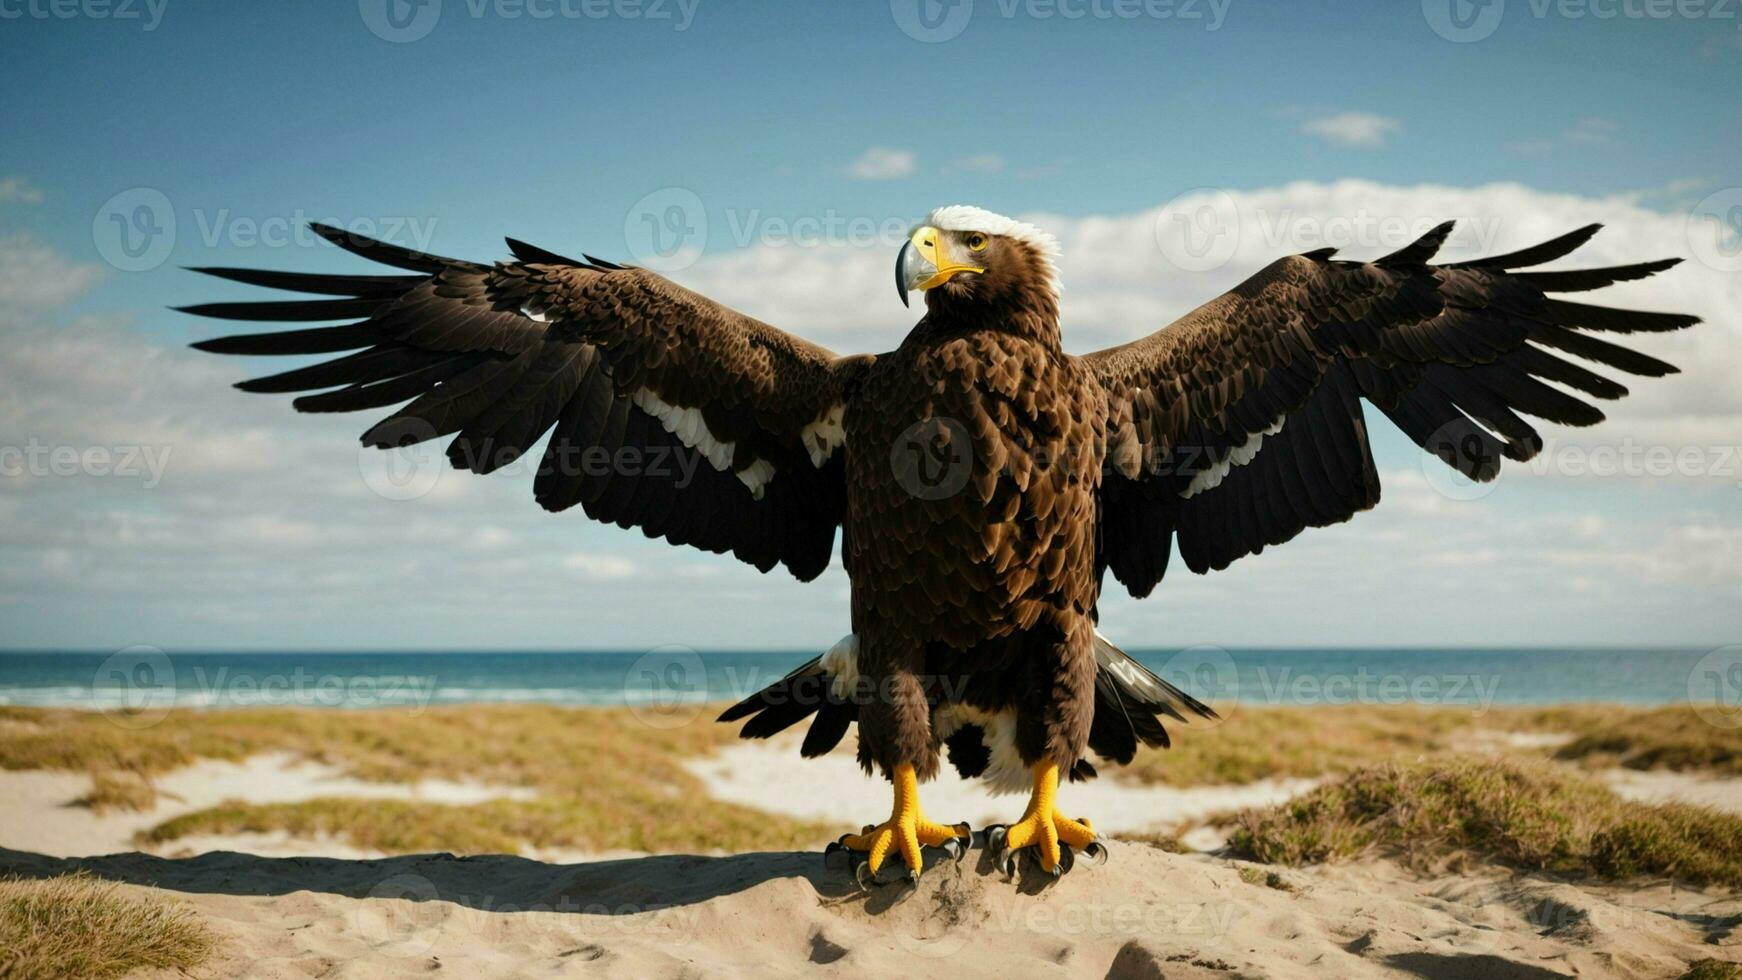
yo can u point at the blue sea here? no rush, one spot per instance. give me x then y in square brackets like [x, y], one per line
[145, 678]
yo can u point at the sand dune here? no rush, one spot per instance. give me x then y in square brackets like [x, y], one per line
[1143, 914]
[284, 907]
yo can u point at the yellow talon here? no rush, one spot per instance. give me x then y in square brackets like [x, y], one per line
[1042, 826]
[906, 830]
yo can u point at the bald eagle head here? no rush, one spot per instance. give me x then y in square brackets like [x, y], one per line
[967, 259]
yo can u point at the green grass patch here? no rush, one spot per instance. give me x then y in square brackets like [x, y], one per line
[1524, 815]
[75, 926]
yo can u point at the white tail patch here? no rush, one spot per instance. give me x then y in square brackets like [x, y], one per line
[1005, 772]
[692, 430]
[1240, 455]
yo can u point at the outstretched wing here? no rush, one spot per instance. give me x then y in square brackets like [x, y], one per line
[1241, 423]
[666, 411]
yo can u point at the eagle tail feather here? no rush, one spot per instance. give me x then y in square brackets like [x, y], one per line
[1129, 702]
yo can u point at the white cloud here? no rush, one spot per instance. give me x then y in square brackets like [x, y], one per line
[882, 163]
[1587, 131]
[36, 276]
[985, 164]
[600, 566]
[1363, 130]
[1593, 129]
[1120, 285]
[262, 515]
[16, 189]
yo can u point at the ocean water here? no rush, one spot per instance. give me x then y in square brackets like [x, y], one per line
[148, 679]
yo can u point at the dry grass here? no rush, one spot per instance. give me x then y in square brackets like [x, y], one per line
[1265, 878]
[1525, 815]
[1160, 840]
[605, 779]
[119, 791]
[1666, 738]
[1276, 743]
[74, 926]
[1713, 970]
[1254, 743]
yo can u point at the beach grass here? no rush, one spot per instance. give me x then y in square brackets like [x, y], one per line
[1524, 814]
[1676, 738]
[1250, 744]
[610, 779]
[77, 926]
[119, 790]
[604, 779]
[1713, 970]
[1275, 742]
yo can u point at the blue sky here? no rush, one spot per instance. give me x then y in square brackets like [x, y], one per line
[553, 129]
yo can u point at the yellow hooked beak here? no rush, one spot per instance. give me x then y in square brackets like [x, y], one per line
[925, 262]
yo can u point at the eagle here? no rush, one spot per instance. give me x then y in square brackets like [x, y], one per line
[983, 481]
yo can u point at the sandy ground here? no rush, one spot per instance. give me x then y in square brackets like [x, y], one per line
[834, 789]
[332, 911]
[37, 811]
[1143, 914]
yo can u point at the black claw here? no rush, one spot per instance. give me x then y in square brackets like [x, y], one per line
[1096, 852]
[956, 849]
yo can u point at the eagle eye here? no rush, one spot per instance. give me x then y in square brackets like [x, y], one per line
[977, 242]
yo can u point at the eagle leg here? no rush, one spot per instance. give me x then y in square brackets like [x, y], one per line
[905, 832]
[1043, 828]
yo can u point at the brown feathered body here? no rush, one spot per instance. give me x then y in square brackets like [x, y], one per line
[971, 540]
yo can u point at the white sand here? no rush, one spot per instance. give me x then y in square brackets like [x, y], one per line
[37, 811]
[1676, 787]
[834, 789]
[1144, 914]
